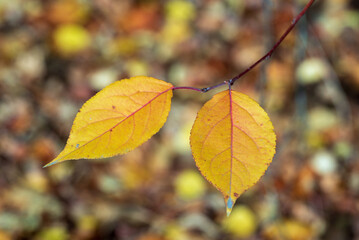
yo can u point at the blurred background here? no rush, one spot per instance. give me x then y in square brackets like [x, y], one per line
[55, 55]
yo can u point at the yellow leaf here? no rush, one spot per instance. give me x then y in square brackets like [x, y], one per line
[233, 143]
[118, 119]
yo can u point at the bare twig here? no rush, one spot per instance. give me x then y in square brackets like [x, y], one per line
[266, 56]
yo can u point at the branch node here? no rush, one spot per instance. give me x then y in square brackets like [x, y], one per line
[205, 89]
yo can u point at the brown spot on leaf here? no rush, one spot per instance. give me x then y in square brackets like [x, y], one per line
[236, 194]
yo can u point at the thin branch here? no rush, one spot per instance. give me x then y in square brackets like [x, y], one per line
[269, 54]
[266, 56]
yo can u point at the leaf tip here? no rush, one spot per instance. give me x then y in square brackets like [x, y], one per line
[229, 206]
[50, 164]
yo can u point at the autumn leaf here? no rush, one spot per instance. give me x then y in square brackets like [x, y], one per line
[118, 119]
[233, 143]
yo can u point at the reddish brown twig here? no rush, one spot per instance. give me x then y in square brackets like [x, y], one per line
[266, 56]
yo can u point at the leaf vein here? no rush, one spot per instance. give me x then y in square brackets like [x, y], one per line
[210, 131]
[104, 109]
[91, 123]
[240, 129]
[248, 113]
[244, 165]
[212, 159]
